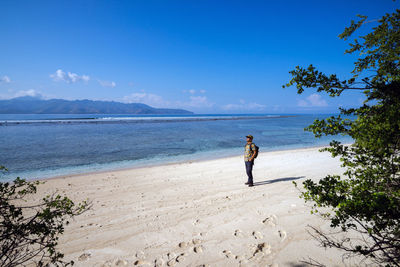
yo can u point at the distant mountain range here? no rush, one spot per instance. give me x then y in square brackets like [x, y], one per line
[33, 105]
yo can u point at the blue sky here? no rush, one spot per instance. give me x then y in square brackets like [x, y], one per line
[203, 56]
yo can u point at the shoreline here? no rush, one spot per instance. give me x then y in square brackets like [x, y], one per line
[150, 165]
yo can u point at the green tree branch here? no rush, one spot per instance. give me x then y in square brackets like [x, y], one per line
[365, 201]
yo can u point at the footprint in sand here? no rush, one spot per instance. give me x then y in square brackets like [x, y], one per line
[196, 241]
[107, 264]
[238, 233]
[261, 250]
[228, 254]
[180, 258]
[141, 263]
[84, 257]
[282, 234]
[171, 262]
[158, 262]
[257, 235]
[121, 263]
[270, 220]
[240, 258]
[182, 245]
[198, 249]
[140, 255]
[171, 255]
[174, 261]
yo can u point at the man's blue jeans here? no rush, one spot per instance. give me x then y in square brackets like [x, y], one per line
[249, 170]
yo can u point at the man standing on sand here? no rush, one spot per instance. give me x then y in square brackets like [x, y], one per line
[249, 154]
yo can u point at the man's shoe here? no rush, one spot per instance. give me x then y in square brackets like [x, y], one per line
[246, 183]
[251, 185]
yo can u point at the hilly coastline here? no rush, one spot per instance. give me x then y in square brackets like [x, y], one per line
[32, 105]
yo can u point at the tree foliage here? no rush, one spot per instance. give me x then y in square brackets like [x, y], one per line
[29, 233]
[365, 202]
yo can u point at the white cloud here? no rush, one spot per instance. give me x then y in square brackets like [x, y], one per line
[13, 94]
[256, 106]
[244, 106]
[159, 102]
[107, 83]
[302, 103]
[231, 107]
[199, 102]
[314, 100]
[69, 77]
[145, 98]
[193, 91]
[31, 92]
[5, 79]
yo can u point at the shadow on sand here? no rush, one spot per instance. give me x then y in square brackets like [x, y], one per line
[278, 180]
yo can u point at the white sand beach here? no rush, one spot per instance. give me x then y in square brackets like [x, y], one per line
[198, 213]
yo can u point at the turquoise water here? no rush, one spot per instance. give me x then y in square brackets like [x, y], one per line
[41, 146]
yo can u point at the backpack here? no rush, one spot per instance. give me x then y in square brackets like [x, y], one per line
[257, 148]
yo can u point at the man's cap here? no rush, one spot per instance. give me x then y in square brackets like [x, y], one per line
[249, 136]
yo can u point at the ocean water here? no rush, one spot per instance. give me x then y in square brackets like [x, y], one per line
[41, 146]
